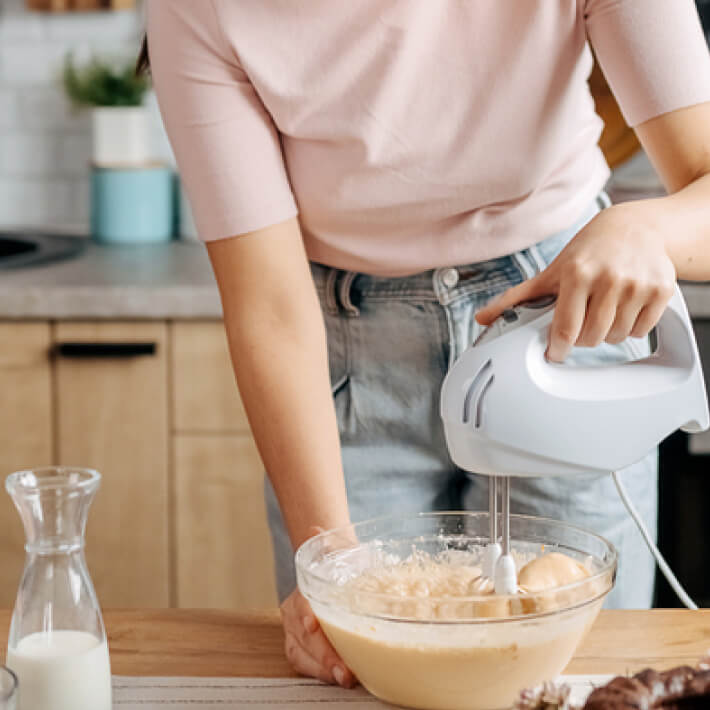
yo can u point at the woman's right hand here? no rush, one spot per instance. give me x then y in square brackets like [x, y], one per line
[307, 648]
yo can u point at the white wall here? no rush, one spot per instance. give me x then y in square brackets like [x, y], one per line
[44, 142]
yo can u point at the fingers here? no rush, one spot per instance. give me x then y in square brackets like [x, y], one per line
[307, 647]
[600, 316]
[648, 317]
[304, 663]
[314, 641]
[525, 291]
[567, 321]
[310, 623]
[312, 655]
[594, 305]
[626, 317]
[319, 648]
[638, 312]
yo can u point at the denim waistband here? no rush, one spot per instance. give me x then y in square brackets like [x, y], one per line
[341, 289]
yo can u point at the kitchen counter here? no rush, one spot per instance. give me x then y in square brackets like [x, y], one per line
[176, 642]
[161, 281]
[157, 281]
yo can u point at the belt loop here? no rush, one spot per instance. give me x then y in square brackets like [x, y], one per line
[603, 200]
[331, 304]
[527, 268]
[537, 258]
[345, 294]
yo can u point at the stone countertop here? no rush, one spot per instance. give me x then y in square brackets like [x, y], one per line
[157, 281]
[162, 281]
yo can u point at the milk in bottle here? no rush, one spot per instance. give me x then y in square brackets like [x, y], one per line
[57, 644]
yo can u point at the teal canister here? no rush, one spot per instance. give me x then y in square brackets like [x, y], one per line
[131, 205]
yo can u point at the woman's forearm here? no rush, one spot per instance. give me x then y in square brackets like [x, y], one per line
[685, 220]
[678, 145]
[278, 346]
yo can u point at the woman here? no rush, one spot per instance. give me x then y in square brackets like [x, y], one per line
[425, 157]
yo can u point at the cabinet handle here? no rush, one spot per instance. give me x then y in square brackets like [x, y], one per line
[86, 351]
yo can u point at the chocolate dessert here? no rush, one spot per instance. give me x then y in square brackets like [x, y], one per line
[682, 688]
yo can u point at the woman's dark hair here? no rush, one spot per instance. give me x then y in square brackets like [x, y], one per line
[143, 61]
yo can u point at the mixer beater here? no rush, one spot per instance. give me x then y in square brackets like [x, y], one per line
[498, 562]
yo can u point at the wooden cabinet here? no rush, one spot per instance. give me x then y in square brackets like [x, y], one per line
[205, 396]
[25, 431]
[112, 416]
[179, 519]
[223, 552]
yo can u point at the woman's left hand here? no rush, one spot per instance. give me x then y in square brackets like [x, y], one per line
[612, 281]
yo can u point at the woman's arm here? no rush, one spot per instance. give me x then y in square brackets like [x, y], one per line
[614, 279]
[229, 153]
[678, 145]
[277, 341]
[616, 276]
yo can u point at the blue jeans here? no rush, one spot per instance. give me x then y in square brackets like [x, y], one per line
[390, 343]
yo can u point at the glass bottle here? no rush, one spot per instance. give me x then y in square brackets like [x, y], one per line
[57, 643]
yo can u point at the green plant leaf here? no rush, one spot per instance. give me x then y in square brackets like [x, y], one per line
[103, 83]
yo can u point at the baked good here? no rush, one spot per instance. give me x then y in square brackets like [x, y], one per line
[681, 688]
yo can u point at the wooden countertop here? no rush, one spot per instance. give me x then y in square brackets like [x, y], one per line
[219, 643]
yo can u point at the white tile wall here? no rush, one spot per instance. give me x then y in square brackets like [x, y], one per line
[45, 142]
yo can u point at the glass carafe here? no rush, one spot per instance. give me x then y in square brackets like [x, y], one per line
[57, 644]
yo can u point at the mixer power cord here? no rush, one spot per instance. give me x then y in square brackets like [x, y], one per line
[662, 564]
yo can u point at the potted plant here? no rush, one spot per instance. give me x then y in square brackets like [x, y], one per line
[132, 195]
[115, 95]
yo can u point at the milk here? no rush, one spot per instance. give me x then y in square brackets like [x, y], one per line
[62, 670]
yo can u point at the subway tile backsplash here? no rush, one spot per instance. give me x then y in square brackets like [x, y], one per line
[45, 143]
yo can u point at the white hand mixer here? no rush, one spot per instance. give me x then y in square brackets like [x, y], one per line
[508, 411]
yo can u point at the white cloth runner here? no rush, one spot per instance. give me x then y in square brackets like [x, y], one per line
[281, 693]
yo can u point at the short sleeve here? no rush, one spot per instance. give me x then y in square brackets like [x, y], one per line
[653, 54]
[227, 148]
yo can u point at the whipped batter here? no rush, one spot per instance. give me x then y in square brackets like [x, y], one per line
[425, 588]
[458, 666]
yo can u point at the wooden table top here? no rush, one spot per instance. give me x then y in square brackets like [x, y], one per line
[187, 642]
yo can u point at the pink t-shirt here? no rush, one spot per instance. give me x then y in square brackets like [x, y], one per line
[408, 134]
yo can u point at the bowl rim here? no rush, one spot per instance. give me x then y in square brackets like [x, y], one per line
[608, 568]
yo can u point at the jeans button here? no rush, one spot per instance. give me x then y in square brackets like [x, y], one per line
[450, 278]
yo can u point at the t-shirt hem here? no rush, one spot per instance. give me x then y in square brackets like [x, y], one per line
[266, 217]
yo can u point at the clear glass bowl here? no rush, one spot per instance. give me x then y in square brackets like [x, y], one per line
[472, 652]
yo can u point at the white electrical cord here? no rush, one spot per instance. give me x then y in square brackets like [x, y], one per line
[662, 564]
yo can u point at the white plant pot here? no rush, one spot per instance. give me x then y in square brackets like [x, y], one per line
[120, 136]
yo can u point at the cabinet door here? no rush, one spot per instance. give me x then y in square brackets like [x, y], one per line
[112, 415]
[25, 432]
[205, 392]
[223, 551]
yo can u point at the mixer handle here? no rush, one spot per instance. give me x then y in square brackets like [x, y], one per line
[676, 339]
[675, 361]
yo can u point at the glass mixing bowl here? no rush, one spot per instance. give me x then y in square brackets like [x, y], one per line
[472, 652]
